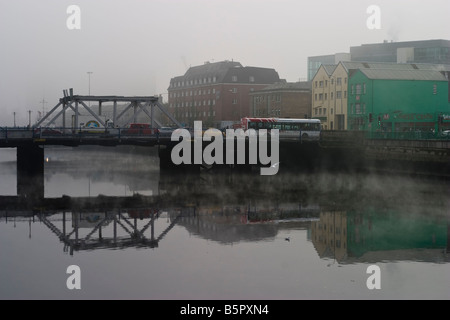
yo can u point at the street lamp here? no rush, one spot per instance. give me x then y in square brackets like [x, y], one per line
[89, 75]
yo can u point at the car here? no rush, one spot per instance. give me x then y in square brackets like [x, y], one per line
[446, 133]
[139, 129]
[47, 132]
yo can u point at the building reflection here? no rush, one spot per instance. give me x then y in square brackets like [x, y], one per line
[374, 236]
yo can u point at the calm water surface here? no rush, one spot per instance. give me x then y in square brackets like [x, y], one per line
[222, 235]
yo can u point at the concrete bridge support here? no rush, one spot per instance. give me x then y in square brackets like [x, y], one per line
[30, 172]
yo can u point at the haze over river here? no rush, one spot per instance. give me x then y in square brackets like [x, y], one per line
[223, 234]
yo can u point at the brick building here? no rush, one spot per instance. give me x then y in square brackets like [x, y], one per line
[216, 93]
[284, 100]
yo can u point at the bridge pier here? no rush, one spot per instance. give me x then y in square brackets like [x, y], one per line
[30, 172]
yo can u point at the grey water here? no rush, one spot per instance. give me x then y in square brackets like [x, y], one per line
[226, 235]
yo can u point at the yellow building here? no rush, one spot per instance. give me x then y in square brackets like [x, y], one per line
[329, 235]
[322, 106]
[329, 96]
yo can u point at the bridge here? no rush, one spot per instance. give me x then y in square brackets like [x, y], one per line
[336, 150]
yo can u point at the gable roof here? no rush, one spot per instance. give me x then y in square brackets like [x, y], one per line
[387, 74]
[348, 65]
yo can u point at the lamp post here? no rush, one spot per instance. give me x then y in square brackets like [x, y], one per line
[29, 118]
[14, 113]
[89, 76]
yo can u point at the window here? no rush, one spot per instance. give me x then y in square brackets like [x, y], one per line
[315, 84]
[332, 81]
[345, 94]
[358, 108]
[338, 94]
[234, 101]
[234, 78]
[332, 95]
[353, 89]
[326, 96]
[364, 88]
[326, 83]
[251, 79]
[321, 84]
[315, 97]
[358, 89]
[234, 90]
[320, 96]
[339, 81]
[331, 110]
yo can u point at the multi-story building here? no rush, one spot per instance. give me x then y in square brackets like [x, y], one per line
[401, 101]
[425, 51]
[216, 93]
[323, 98]
[330, 88]
[283, 100]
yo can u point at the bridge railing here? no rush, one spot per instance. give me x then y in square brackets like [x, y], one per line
[408, 135]
[68, 133]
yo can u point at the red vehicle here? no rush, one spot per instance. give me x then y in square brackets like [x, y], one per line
[139, 129]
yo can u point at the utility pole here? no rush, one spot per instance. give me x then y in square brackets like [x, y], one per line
[43, 106]
[89, 75]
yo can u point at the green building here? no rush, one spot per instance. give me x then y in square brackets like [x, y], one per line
[400, 102]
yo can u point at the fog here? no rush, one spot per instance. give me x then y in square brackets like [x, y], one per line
[135, 47]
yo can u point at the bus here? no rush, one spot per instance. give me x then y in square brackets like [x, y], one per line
[298, 129]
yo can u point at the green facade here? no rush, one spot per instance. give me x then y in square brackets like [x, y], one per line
[403, 107]
[385, 231]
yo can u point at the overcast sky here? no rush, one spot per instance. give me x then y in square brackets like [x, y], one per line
[134, 47]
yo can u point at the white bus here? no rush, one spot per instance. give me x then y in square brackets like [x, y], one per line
[297, 129]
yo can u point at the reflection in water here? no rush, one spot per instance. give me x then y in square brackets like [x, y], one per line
[296, 223]
[375, 236]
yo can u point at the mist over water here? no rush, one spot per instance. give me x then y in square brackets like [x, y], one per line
[221, 233]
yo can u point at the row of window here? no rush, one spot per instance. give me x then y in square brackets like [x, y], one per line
[192, 93]
[193, 104]
[192, 82]
[324, 84]
[360, 89]
[355, 108]
[322, 111]
[358, 108]
[324, 96]
[258, 99]
[264, 113]
[204, 80]
[196, 114]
